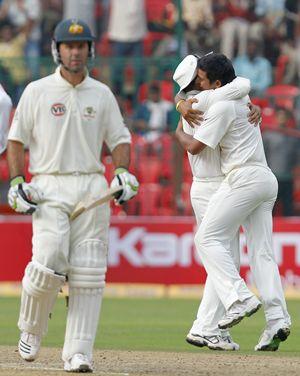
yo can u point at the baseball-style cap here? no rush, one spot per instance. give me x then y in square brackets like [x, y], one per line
[186, 71]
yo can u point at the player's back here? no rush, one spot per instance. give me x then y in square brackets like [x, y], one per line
[226, 124]
[242, 142]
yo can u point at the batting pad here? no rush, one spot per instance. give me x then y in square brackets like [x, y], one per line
[86, 282]
[40, 288]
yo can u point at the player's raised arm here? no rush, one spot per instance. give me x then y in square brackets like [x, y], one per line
[185, 108]
[236, 89]
[185, 76]
[254, 115]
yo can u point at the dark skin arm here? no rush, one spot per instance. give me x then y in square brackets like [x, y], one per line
[193, 117]
[189, 143]
[121, 156]
[15, 158]
[254, 115]
[194, 146]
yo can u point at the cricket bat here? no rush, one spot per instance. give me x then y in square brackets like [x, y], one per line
[90, 202]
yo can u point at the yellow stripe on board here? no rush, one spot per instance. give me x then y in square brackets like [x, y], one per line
[140, 290]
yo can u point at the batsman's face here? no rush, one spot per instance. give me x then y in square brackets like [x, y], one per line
[203, 81]
[74, 55]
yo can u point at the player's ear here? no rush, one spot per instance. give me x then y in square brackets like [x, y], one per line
[218, 84]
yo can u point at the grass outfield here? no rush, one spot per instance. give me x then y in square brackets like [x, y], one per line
[147, 324]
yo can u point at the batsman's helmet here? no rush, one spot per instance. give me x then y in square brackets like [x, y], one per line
[72, 30]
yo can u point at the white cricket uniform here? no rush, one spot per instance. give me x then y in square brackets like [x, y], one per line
[207, 177]
[246, 196]
[5, 108]
[65, 127]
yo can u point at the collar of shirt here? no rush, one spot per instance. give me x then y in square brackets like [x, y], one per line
[59, 78]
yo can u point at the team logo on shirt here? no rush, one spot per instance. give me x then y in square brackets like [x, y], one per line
[89, 113]
[58, 109]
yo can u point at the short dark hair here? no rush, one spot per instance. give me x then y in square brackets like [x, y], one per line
[217, 67]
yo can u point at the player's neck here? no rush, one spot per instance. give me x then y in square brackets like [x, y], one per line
[73, 78]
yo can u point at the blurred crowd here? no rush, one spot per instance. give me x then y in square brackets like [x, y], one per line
[140, 42]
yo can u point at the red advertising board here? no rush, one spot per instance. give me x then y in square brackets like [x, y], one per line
[152, 250]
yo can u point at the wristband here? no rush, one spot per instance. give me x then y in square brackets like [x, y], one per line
[178, 103]
[119, 170]
[17, 180]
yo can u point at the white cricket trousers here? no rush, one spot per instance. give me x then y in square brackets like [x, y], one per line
[246, 196]
[76, 248]
[211, 309]
[54, 236]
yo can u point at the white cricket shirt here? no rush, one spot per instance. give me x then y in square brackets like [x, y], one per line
[65, 126]
[5, 108]
[226, 125]
[207, 164]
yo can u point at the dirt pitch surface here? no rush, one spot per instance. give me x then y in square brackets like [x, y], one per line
[138, 363]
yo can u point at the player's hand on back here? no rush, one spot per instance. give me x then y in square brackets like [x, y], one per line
[192, 116]
[254, 115]
[128, 182]
[23, 197]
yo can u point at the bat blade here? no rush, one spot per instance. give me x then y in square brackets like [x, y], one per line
[90, 202]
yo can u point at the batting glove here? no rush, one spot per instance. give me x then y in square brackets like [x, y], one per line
[128, 182]
[23, 197]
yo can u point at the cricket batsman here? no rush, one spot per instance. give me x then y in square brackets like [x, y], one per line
[64, 119]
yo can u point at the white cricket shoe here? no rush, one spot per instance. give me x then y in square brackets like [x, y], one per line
[78, 363]
[214, 342]
[227, 338]
[272, 336]
[29, 346]
[238, 311]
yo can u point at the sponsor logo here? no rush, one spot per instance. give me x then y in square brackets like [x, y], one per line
[140, 248]
[89, 112]
[58, 109]
[76, 29]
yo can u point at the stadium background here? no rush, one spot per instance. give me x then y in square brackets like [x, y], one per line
[152, 235]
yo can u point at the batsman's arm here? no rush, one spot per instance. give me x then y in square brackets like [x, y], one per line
[15, 158]
[22, 197]
[121, 156]
[121, 160]
[188, 142]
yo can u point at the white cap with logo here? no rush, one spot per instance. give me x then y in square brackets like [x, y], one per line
[186, 71]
